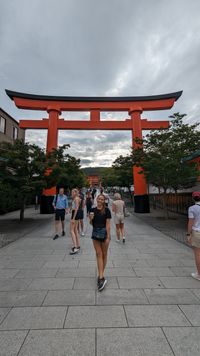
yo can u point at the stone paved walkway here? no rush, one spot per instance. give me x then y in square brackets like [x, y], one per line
[49, 305]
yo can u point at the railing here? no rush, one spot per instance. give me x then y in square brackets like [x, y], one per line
[177, 203]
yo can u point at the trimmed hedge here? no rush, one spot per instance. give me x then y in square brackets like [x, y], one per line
[9, 198]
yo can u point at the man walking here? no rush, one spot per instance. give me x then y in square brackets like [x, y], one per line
[60, 204]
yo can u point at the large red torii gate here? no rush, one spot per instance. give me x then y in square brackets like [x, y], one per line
[135, 105]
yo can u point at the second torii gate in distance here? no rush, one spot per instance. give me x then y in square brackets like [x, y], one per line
[134, 105]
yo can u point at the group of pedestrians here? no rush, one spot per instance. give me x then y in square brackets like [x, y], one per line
[99, 216]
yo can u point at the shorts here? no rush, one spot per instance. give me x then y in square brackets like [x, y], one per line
[89, 207]
[95, 232]
[119, 218]
[60, 214]
[78, 215]
[195, 239]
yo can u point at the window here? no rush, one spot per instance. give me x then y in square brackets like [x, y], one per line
[2, 124]
[15, 132]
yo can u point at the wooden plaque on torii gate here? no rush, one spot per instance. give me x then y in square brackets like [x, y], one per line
[134, 105]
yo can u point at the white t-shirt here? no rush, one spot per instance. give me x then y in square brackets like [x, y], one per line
[194, 213]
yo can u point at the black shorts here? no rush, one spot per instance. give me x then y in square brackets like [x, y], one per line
[60, 214]
[78, 215]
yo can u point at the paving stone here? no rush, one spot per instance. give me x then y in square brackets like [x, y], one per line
[192, 312]
[70, 297]
[3, 313]
[196, 292]
[184, 341]
[8, 273]
[59, 343]
[51, 283]
[92, 264]
[155, 315]
[180, 282]
[11, 284]
[153, 272]
[132, 341]
[61, 264]
[171, 296]
[91, 283]
[139, 282]
[11, 341]
[37, 273]
[34, 318]
[76, 272]
[22, 298]
[117, 272]
[25, 265]
[182, 271]
[121, 296]
[95, 317]
[164, 263]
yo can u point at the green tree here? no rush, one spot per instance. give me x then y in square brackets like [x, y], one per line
[123, 168]
[109, 177]
[22, 168]
[163, 156]
[64, 169]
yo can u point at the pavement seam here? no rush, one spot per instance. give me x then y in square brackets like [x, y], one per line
[126, 316]
[95, 352]
[44, 298]
[185, 315]
[5, 316]
[65, 317]
[167, 341]
[23, 342]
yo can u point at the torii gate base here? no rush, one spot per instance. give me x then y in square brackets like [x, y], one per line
[54, 105]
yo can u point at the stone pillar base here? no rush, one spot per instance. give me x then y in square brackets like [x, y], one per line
[46, 204]
[141, 204]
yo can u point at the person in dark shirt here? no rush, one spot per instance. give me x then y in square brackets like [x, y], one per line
[100, 220]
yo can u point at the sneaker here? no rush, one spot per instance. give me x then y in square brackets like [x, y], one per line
[123, 240]
[63, 233]
[73, 251]
[56, 237]
[195, 276]
[82, 234]
[98, 280]
[102, 283]
[78, 248]
[117, 240]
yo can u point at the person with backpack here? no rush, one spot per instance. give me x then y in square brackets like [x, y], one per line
[60, 204]
[193, 232]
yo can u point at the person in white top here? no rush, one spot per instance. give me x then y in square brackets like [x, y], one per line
[193, 232]
[118, 208]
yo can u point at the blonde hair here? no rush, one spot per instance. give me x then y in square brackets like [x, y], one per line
[75, 191]
[117, 196]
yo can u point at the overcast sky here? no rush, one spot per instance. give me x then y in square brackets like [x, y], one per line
[99, 48]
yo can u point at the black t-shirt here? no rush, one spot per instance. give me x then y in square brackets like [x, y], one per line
[100, 219]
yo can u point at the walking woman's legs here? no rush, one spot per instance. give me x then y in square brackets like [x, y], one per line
[121, 226]
[72, 233]
[118, 231]
[77, 233]
[104, 248]
[197, 258]
[99, 257]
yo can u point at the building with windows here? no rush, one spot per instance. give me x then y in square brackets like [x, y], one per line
[9, 128]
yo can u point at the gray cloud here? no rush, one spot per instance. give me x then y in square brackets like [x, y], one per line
[91, 47]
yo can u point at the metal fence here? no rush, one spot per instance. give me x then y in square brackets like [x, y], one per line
[177, 203]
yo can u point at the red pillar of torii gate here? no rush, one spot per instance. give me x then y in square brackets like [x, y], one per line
[54, 105]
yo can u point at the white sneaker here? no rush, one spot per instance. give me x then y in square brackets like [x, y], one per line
[117, 240]
[82, 234]
[195, 276]
[73, 251]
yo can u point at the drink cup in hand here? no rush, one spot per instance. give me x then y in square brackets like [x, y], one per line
[91, 215]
